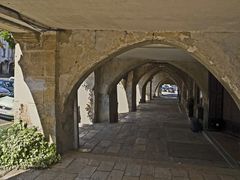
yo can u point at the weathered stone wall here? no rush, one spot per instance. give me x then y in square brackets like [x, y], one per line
[89, 48]
[35, 83]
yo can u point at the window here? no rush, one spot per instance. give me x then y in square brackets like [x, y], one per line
[3, 50]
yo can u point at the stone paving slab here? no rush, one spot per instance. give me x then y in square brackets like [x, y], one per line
[128, 169]
[106, 166]
[151, 136]
[144, 145]
[193, 151]
[25, 175]
[116, 175]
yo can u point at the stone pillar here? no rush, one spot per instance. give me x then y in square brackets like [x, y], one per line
[106, 106]
[76, 123]
[138, 95]
[143, 94]
[150, 91]
[35, 81]
[158, 91]
[102, 100]
[102, 107]
[113, 106]
[182, 97]
[155, 89]
[205, 113]
[206, 108]
[131, 92]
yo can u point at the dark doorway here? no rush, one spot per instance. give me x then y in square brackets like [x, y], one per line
[215, 121]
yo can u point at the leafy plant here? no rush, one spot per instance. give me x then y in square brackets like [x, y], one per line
[7, 36]
[23, 147]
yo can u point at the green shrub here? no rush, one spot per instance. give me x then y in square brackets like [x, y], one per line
[23, 147]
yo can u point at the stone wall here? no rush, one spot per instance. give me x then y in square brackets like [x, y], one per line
[35, 83]
[87, 49]
[55, 65]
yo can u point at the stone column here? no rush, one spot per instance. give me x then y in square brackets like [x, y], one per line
[76, 122]
[102, 107]
[102, 100]
[143, 94]
[131, 92]
[158, 91]
[113, 106]
[205, 113]
[150, 91]
[35, 81]
[182, 97]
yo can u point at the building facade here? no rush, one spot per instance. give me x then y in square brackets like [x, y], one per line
[6, 59]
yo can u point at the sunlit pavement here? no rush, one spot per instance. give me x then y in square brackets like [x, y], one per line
[2, 121]
[155, 142]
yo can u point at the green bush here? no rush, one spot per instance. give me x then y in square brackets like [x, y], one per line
[23, 147]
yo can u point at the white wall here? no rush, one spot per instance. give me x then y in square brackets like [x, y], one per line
[122, 99]
[138, 95]
[85, 93]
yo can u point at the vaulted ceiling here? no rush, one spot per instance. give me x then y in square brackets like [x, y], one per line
[133, 15]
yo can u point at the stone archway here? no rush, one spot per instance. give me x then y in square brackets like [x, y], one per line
[162, 81]
[107, 44]
[195, 43]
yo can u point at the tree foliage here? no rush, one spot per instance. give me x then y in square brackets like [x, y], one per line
[7, 36]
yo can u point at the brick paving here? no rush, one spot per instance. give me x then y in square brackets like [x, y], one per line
[153, 143]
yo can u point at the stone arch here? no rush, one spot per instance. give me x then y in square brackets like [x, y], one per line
[175, 74]
[189, 42]
[192, 70]
[112, 72]
[172, 78]
[108, 77]
[117, 42]
[162, 81]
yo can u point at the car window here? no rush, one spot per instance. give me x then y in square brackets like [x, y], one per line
[8, 84]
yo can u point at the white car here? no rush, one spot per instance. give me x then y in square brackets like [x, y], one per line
[6, 107]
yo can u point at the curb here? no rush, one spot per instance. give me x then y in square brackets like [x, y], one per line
[226, 156]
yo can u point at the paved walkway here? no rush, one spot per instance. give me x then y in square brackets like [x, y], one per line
[153, 143]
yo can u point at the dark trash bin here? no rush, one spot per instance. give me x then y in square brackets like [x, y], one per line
[196, 126]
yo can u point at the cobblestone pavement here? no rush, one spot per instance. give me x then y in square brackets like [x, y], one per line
[153, 143]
